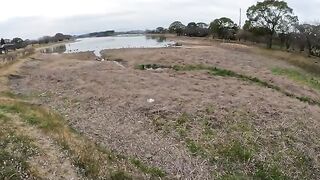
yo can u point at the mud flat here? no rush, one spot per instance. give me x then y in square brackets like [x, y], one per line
[208, 109]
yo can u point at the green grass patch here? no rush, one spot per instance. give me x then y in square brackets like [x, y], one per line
[153, 171]
[225, 73]
[195, 148]
[304, 78]
[151, 66]
[237, 152]
[9, 108]
[268, 173]
[34, 115]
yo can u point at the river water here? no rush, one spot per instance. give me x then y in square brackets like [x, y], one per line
[96, 44]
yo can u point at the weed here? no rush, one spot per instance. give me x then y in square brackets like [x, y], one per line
[140, 67]
[33, 120]
[268, 173]
[195, 149]
[156, 172]
[158, 123]
[151, 66]
[182, 132]
[207, 130]
[210, 109]
[237, 152]
[88, 163]
[305, 164]
[9, 108]
[184, 118]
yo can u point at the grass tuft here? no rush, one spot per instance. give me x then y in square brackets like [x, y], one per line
[195, 148]
[151, 66]
[269, 173]
[237, 152]
[153, 171]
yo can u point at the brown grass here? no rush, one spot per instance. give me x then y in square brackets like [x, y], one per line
[93, 161]
[309, 64]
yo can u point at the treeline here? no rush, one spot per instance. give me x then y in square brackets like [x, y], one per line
[51, 39]
[271, 22]
[98, 34]
[18, 43]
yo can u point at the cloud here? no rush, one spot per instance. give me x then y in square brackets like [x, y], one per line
[35, 18]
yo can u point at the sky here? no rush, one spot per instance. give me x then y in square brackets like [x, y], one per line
[35, 18]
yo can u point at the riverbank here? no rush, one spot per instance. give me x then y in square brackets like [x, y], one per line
[205, 110]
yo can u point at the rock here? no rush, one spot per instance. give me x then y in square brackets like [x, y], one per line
[149, 156]
[14, 76]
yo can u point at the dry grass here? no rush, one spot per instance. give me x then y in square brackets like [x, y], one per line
[238, 147]
[228, 73]
[309, 64]
[7, 59]
[93, 161]
[15, 150]
[234, 142]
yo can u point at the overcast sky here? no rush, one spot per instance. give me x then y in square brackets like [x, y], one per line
[35, 18]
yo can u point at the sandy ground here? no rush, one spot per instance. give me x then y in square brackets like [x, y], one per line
[109, 101]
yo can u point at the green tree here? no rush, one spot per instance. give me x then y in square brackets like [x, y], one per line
[192, 29]
[202, 29]
[18, 43]
[224, 28]
[311, 36]
[202, 25]
[177, 27]
[160, 30]
[16, 40]
[2, 42]
[271, 15]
